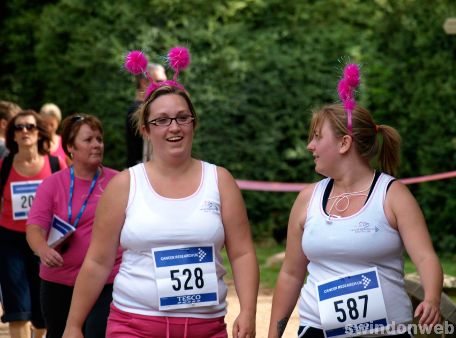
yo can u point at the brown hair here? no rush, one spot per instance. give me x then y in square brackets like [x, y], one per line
[71, 126]
[43, 135]
[364, 134]
[142, 114]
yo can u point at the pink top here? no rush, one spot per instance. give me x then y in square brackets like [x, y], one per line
[52, 198]
[58, 152]
[6, 217]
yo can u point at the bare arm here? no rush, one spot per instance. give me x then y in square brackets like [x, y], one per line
[294, 268]
[241, 253]
[405, 214]
[100, 258]
[36, 238]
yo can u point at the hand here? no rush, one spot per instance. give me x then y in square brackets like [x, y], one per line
[50, 258]
[429, 312]
[244, 325]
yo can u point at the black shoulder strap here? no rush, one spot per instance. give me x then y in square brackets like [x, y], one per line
[54, 162]
[4, 172]
[8, 162]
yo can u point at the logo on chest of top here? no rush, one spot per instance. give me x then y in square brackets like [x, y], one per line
[365, 227]
[210, 206]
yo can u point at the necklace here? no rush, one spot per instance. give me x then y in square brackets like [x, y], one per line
[342, 201]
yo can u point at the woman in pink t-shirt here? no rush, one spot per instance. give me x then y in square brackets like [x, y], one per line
[65, 206]
[22, 172]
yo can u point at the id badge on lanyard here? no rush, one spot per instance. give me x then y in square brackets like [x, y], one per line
[351, 304]
[22, 196]
[186, 276]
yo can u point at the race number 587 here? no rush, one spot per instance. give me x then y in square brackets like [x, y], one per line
[350, 307]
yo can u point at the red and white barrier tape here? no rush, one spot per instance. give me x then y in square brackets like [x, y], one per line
[294, 187]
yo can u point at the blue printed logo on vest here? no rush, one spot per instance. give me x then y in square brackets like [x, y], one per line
[210, 206]
[183, 256]
[365, 227]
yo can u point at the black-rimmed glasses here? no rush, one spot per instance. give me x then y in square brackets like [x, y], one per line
[166, 121]
[27, 126]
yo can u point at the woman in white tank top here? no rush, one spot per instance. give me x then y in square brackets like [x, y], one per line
[346, 233]
[172, 215]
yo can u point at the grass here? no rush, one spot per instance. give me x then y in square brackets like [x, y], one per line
[268, 275]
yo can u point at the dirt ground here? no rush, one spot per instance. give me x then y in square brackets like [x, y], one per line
[262, 321]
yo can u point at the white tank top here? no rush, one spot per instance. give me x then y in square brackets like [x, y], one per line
[347, 244]
[153, 221]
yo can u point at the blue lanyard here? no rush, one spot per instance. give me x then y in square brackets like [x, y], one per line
[70, 202]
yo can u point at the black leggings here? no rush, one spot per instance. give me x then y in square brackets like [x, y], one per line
[312, 332]
[55, 303]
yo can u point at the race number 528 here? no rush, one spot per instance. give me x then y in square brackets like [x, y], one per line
[191, 279]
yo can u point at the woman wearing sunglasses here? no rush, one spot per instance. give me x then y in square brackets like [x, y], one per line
[65, 208]
[22, 171]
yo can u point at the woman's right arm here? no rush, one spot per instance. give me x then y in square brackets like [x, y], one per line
[294, 268]
[100, 258]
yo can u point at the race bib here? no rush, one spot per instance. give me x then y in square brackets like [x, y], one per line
[351, 304]
[22, 196]
[186, 276]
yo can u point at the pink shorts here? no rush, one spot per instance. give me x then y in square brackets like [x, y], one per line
[123, 324]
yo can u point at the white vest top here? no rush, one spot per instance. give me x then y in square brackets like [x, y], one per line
[347, 244]
[153, 221]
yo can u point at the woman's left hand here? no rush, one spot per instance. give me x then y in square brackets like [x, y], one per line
[429, 312]
[244, 326]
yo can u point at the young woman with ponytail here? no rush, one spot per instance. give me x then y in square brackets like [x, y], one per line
[347, 233]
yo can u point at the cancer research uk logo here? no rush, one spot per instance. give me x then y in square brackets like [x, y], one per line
[365, 227]
[365, 281]
[181, 256]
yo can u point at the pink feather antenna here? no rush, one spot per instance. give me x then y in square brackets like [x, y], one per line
[346, 89]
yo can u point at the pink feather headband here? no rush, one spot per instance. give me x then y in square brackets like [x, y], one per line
[346, 90]
[178, 59]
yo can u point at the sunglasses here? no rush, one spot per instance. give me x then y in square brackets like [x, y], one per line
[27, 126]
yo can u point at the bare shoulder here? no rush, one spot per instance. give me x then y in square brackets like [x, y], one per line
[398, 194]
[305, 194]
[226, 181]
[121, 179]
[224, 175]
[118, 187]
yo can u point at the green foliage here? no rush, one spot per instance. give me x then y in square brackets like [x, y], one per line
[258, 69]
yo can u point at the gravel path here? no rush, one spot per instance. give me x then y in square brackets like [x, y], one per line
[263, 314]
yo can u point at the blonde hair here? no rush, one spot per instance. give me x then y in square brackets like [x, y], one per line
[51, 109]
[364, 133]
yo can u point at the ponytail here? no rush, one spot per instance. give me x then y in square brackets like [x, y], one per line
[388, 158]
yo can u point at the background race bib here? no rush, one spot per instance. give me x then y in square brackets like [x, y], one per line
[22, 196]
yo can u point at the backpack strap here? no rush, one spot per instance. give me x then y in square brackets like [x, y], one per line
[54, 163]
[4, 172]
[8, 163]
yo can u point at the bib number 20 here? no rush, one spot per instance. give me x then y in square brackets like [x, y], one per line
[350, 307]
[197, 275]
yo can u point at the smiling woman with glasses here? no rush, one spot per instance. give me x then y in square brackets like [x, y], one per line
[173, 215]
[22, 171]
